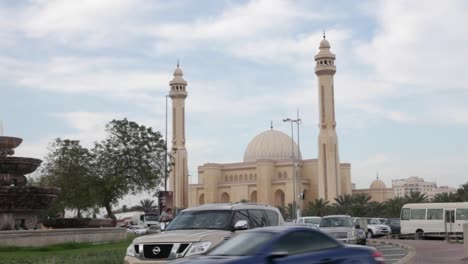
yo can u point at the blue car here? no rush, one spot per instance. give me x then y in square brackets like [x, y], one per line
[286, 244]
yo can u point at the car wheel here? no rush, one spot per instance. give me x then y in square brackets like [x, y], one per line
[419, 234]
[370, 234]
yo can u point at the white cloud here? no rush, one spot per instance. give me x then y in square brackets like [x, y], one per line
[412, 46]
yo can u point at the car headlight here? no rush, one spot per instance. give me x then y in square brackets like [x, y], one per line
[351, 234]
[198, 248]
[131, 251]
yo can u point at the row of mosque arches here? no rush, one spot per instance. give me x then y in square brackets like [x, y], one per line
[179, 88]
[282, 175]
[325, 62]
[240, 177]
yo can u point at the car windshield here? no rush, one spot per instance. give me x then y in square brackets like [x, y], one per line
[152, 217]
[244, 244]
[314, 220]
[215, 219]
[336, 222]
[373, 221]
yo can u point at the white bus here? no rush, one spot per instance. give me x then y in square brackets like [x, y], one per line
[434, 219]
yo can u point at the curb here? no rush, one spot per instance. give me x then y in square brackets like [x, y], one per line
[411, 250]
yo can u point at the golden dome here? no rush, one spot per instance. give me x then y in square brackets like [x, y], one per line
[271, 145]
[378, 184]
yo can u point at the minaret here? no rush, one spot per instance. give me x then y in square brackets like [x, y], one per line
[178, 179]
[329, 176]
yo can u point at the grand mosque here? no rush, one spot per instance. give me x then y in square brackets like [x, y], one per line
[273, 170]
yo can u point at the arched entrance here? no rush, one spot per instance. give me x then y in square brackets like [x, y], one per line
[253, 197]
[225, 198]
[279, 198]
[201, 199]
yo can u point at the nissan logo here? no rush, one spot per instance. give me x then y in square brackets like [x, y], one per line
[156, 250]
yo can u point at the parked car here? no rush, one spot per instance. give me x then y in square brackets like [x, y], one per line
[196, 230]
[313, 220]
[376, 229]
[340, 227]
[394, 225]
[132, 229]
[285, 244]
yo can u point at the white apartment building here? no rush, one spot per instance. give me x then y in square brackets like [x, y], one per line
[402, 187]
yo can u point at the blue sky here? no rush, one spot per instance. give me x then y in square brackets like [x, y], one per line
[69, 67]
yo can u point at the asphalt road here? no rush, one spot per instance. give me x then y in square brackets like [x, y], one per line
[391, 253]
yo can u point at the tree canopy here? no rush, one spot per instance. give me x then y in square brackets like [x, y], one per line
[129, 160]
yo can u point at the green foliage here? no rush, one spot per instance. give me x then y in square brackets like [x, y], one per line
[147, 205]
[462, 193]
[417, 197]
[70, 253]
[129, 160]
[446, 198]
[318, 207]
[68, 167]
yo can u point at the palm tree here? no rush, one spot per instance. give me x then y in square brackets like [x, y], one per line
[317, 207]
[147, 205]
[344, 203]
[360, 202]
[393, 206]
[416, 197]
[445, 198]
[462, 192]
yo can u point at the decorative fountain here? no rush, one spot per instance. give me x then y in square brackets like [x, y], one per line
[20, 205]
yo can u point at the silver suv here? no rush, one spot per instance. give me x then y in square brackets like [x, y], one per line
[340, 227]
[196, 230]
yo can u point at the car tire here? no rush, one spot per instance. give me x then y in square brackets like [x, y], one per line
[369, 234]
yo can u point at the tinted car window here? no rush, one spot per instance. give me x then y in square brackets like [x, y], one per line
[272, 217]
[213, 219]
[243, 244]
[257, 218]
[240, 215]
[299, 242]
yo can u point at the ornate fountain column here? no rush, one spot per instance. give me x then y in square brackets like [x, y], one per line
[20, 204]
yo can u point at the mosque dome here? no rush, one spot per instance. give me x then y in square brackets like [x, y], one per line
[324, 44]
[378, 184]
[271, 145]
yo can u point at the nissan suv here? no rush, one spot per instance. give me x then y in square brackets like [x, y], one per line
[196, 230]
[341, 227]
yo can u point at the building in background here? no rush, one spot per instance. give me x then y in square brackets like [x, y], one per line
[402, 187]
[272, 160]
[378, 191]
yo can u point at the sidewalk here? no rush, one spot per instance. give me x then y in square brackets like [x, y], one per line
[430, 251]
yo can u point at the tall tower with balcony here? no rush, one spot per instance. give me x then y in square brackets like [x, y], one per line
[329, 176]
[178, 179]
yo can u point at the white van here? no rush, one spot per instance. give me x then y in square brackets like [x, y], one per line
[433, 219]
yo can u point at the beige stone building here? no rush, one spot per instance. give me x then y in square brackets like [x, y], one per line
[272, 170]
[403, 187]
[378, 190]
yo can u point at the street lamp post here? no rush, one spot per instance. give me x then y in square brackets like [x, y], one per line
[295, 162]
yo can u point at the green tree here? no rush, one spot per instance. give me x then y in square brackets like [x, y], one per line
[360, 204]
[130, 160]
[317, 207]
[67, 166]
[393, 207]
[147, 205]
[416, 197]
[462, 192]
[343, 203]
[445, 198]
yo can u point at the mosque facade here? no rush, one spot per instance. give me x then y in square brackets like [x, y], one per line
[273, 170]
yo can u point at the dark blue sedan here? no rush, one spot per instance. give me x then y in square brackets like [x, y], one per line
[286, 244]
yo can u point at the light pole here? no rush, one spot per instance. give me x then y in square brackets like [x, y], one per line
[295, 162]
[165, 154]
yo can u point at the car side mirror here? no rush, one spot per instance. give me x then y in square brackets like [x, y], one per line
[241, 225]
[277, 254]
[162, 226]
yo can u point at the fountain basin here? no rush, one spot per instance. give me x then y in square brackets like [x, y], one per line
[9, 142]
[26, 199]
[18, 165]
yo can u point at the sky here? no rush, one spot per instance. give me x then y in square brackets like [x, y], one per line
[401, 87]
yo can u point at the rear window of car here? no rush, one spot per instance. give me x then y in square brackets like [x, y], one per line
[272, 217]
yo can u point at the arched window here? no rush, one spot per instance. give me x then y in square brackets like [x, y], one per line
[201, 199]
[255, 176]
[226, 178]
[236, 178]
[230, 178]
[285, 175]
[253, 197]
[225, 198]
[250, 177]
[279, 175]
[279, 198]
